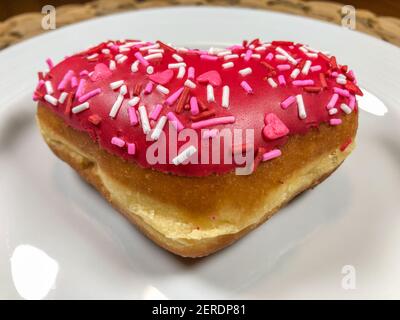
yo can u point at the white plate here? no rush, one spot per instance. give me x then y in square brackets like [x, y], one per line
[60, 239]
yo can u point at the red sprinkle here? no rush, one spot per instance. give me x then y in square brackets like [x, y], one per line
[95, 119]
[344, 146]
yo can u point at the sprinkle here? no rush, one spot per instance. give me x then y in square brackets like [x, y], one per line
[227, 65]
[213, 122]
[207, 57]
[181, 72]
[287, 102]
[50, 99]
[315, 68]
[123, 90]
[306, 67]
[74, 82]
[156, 112]
[144, 120]
[342, 92]
[269, 56]
[49, 87]
[341, 80]
[203, 115]
[313, 89]
[158, 128]
[182, 100]
[283, 67]
[50, 63]
[346, 109]
[184, 155]
[153, 56]
[117, 142]
[177, 57]
[153, 46]
[112, 65]
[134, 101]
[133, 120]
[272, 83]
[117, 104]
[150, 70]
[246, 71]
[210, 133]
[194, 107]
[295, 73]
[323, 80]
[156, 51]
[210, 93]
[105, 51]
[246, 87]
[300, 106]
[281, 80]
[224, 53]
[80, 89]
[335, 121]
[287, 55]
[62, 97]
[280, 57]
[93, 56]
[135, 66]
[352, 102]
[162, 89]
[332, 101]
[312, 55]
[176, 65]
[225, 96]
[131, 148]
[248, 55]
[299, 83]
[122, 59]
[191, 73]
[271, 155]
[142, 60]
[116, 84]
[332, 111]
[173, 97]
[67, 77]
[80, 108]
[94, 119]
[89, 95]
[175, 121]
[231, 56]
[190, 84]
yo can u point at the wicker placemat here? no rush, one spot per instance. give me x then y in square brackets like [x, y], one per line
[23, 26]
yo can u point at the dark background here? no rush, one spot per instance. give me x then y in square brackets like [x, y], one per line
[10, 8]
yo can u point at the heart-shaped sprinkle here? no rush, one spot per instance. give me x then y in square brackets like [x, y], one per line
[212, 77]
[274, 127]
[101, 72]
[162, 77]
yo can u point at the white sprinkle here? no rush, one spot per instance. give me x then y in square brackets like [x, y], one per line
[122, 49]
[295, 73]
[181, 50]
[272, 83]
[158, 128]
[116, 84]
[256, 56]
[105, 51]
[177, 57]
[287, 55]
[184, 155]
[345, 108]
[190, 84]
[176, 65]
[225, 96]
[93, 56]
[117, 104]
[306, 67]
[155, 51]
[144, 120]
[122, 59]
[215, 50]
[246, 71]
[51, 99]
[80, 108]
[210, 93]
[112, 65]
[341, 80]
[280, 57]
[227, 65]
[303, 49]
[134, 101]
[224, 53]
[181, 72]
[62, 97]
[150, 70]
[231, 56]
[162, 89]
[153, 56]
[49, 87]
[260, 49]
[135, 66]
[153, 46]
[300, 107]
[123, 90]
[312, 55]
[332, 111]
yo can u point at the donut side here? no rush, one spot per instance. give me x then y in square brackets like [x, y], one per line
[196, 216]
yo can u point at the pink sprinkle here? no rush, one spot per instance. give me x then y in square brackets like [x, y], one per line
[39, 85]
[307, 82]
[67, 77]
[246, 87]
[352, 102]
[81, 87]
[269, 56]
[89, 95]
[155, 112]
[334, 74]
[332, 101]
[175, 121]
[74, 82]
[271, 154]
[149, 87]
[131, 148]
[287, 102]
[208, 57]
[335, 121]
[213, 122]
[248, 55]
[142, 60]
[281, 80]
[50, 63]
[235, 46]
[210, 133]
[173, 97]
[342, 92]
[117, 142]
[84, 73]
[283, 67]
[351, 74]
[194, 106]
[133, 119]
[316, 68]
[191, 73]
